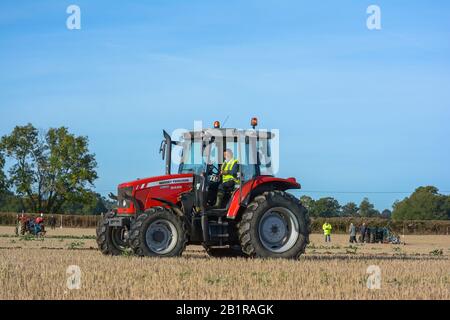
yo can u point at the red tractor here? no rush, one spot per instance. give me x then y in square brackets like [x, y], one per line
[29, 225]
[159, 216]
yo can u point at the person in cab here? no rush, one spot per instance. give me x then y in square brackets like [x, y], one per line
[229, 174]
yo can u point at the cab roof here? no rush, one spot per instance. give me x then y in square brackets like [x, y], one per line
[228, 133]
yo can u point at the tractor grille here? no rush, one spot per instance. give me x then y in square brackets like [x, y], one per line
[122, 196]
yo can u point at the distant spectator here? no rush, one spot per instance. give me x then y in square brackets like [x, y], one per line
[327, 231]
[352, 231]
[52, 222]
[363, 231]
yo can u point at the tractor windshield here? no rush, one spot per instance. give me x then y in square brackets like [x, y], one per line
[253, 153]
[192, 158]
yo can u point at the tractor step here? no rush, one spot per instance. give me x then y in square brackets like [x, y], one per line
[224, 235]
[215, 232]
[216, 212]
[214, 223]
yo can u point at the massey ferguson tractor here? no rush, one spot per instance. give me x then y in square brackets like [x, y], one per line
[159, 216]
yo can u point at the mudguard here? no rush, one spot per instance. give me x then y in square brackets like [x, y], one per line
[241, 198]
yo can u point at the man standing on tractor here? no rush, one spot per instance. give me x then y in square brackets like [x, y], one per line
[228, 172]
[40, 222]
[327, 231]
[40, 219]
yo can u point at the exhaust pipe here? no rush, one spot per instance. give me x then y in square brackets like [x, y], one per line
[168, 151]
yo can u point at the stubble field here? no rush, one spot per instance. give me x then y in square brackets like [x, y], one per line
[36, 269]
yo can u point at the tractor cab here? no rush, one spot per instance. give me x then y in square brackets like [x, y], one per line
[202, 154]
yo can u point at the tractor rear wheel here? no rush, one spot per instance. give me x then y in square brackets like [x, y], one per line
[23, 228]
[275, 225]
[158, 233]
[111, 240]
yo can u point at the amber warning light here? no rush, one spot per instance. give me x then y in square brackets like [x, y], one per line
[216, 124]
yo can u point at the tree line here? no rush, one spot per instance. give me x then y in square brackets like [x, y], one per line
[425, 203]
[53, 171]
[48, 171]
[329, 207]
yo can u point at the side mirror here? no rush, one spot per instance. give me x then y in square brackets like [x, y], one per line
[162, 149]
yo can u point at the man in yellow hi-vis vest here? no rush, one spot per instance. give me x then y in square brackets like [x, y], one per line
[229, 173]
[327, 231]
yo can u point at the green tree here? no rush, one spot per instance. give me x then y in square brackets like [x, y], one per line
[308, 203]
[350, 210]
[109, 203]
[93, 203]
[49, 169]
[425, 203]
[9, 202]
[367, 209]
[386, 213]
[2, 174]
[327, 207]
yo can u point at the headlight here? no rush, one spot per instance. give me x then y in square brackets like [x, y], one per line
[123, 194]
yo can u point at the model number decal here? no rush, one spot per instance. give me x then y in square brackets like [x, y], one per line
[169, 182]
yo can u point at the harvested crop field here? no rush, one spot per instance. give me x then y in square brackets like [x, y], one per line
[36, 269]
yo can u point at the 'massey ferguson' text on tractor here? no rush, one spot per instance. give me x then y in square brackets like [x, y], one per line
[159, 216]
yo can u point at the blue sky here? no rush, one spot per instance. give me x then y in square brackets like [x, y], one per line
[359, 111]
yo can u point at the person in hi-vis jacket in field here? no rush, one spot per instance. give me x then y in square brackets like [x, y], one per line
[327, 231]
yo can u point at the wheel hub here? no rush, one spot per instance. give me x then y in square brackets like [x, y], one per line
[273, 229]
[120, 237]
[161, 236]
[278, 230]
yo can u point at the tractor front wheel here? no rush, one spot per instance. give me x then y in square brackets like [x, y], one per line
[111, 240]
[275, 225]
[158, 233]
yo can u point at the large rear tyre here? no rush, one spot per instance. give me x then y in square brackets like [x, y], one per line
[275, 225]
[23, 228]
[158, 233]
[111, 240]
